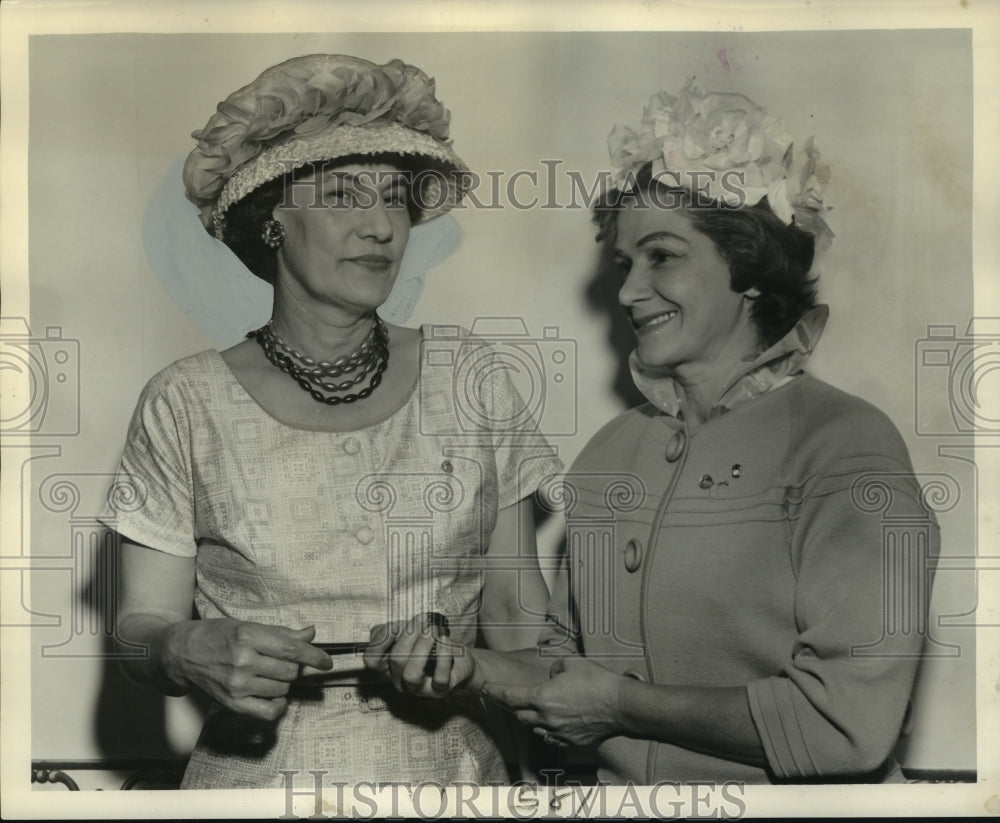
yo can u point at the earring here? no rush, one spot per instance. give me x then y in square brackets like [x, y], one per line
[272, 233]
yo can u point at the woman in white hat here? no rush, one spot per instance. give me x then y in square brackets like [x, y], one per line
[317, 479]
[749, 551]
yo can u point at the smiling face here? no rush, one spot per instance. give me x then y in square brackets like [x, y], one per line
[676, 291]
[346, 228]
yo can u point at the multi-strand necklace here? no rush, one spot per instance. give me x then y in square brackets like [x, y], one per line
[319, 378]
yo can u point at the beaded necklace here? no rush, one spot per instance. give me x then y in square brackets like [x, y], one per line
[317, 378]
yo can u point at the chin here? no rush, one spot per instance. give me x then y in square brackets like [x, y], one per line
[655, 357]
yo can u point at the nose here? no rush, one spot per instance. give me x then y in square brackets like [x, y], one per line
[636, 287]
[374, 222]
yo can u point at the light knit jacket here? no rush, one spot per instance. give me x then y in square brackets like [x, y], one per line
[782, 546]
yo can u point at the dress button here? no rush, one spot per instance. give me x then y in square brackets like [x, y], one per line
[675, 447]
[706, 481]
[633, 556]
[365, 535]
[351, 445]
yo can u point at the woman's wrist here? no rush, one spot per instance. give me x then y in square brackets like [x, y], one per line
[164, 654]
[629, 698]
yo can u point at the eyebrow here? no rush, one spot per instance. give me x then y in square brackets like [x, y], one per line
[661, 235]
[378, 178]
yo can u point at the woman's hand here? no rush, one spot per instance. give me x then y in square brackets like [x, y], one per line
[247, 667]
[580, 703]
[400, 651]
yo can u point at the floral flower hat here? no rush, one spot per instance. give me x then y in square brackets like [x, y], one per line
[729, 147]
[321, 107]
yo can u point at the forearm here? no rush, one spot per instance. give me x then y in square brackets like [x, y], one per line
[142, 639]
[521, 668]
[513, 622]
[714, 721]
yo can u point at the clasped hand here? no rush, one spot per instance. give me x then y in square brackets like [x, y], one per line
[580, 704]
[400, 650]
[247, 667]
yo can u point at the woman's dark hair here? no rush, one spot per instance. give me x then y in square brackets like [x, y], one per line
[760, 250]
[245, 218]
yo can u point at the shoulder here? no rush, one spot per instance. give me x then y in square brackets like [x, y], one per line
[822, 408]
[182, 379]
[617, 436]
[830, 427]
[463, 361]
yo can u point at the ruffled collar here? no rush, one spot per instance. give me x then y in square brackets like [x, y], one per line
[754, 376]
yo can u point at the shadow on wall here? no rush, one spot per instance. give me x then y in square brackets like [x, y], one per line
[130, 720]
[602, 296]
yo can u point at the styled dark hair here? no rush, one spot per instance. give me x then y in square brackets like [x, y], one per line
[760, 250]
[245, 218]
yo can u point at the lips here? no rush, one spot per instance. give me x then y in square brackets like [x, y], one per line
[372, 261]
[652, 321]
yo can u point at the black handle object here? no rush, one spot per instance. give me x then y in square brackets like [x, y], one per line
[349, 647]
[441, 629]
[436, 619]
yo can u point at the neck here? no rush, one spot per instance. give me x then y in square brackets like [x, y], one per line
[323, 333]
[703, 384]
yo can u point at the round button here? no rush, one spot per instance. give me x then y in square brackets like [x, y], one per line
[633, 556]
[365, 535]
[706, 481]
[675, 447]
[352, 445]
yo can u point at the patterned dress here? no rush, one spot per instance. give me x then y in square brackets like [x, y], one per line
[341, 530]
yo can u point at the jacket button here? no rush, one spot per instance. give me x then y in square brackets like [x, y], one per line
[675, 447]
[706, 481]
[351, 445]
[633, 556]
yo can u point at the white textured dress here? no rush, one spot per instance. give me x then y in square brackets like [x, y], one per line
[341, 530]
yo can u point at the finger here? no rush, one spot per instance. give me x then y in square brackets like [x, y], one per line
[511, 697]
[288, 644]
[267, 688]
[260, 707]
[382, 635]
[413, 672]
[307, 635]
[273, 668]
[558, 667]
[380, 640]
[443, 665]
[529, 717]
[400, 655]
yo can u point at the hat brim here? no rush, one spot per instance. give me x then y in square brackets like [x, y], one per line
[440, 190]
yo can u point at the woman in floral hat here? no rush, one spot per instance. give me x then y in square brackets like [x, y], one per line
[314, 480]
[751, 617]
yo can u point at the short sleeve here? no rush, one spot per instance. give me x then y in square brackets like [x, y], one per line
[524, 457]
[151, 499]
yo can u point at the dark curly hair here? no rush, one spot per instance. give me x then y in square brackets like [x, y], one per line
[760, 250]
[245, 219]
